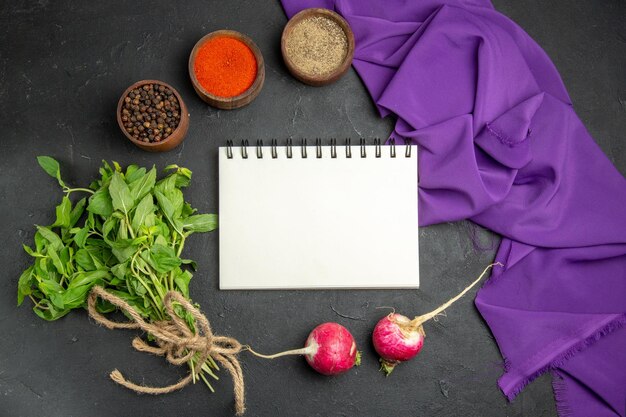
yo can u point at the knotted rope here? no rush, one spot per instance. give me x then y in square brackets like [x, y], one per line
[175, 341]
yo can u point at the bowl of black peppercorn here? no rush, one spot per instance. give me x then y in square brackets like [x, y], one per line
[153, 116]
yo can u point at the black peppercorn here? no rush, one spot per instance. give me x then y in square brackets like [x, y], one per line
[150, 113]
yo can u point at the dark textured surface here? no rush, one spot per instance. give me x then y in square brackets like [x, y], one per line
[63, 65]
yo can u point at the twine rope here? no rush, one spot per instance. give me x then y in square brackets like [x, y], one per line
[175, 341]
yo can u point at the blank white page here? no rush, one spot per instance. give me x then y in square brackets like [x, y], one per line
[313, 222]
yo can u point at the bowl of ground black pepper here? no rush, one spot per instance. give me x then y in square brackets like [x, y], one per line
[317, 46]
[226, 69]
[153, 116]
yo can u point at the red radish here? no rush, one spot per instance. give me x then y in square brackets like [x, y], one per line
[395, 341]
[398, 339]
[330, 350]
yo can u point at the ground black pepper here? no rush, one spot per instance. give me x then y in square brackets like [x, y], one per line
[150, 113]
[317, 45]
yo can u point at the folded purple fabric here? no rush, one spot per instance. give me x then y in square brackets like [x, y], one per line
[500, 144]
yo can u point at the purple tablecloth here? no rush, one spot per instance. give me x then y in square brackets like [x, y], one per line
[500, 144]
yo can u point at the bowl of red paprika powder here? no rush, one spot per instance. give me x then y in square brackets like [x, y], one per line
[226, 69]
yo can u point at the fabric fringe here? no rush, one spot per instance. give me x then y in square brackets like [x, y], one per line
[506, 364]
[563, 409]
[610, 327]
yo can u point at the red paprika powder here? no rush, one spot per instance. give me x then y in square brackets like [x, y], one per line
[225, 66]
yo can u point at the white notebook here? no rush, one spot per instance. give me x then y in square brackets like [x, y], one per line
[318, 217]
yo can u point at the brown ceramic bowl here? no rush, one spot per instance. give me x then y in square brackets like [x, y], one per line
[174, 139]
[318, 80]
[229, 103]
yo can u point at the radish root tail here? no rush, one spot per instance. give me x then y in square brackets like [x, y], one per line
[303, 351]
[417, 322]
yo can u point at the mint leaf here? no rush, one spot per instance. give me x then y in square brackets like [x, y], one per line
[161, 258]
[77, 211]
[200, 223]
[81, 237]
[52, 168]
[52, 238]
[24, 285]
[182, 281]
[101, 203]
[144, 210]
[120, 194]
[133, 172]
[63, 212]
[143, 185]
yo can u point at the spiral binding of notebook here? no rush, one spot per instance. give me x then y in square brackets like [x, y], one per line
[289, 147]
[294, 215]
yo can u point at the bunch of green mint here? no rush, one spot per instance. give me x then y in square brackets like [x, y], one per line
[130, 241]
[127, 236]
